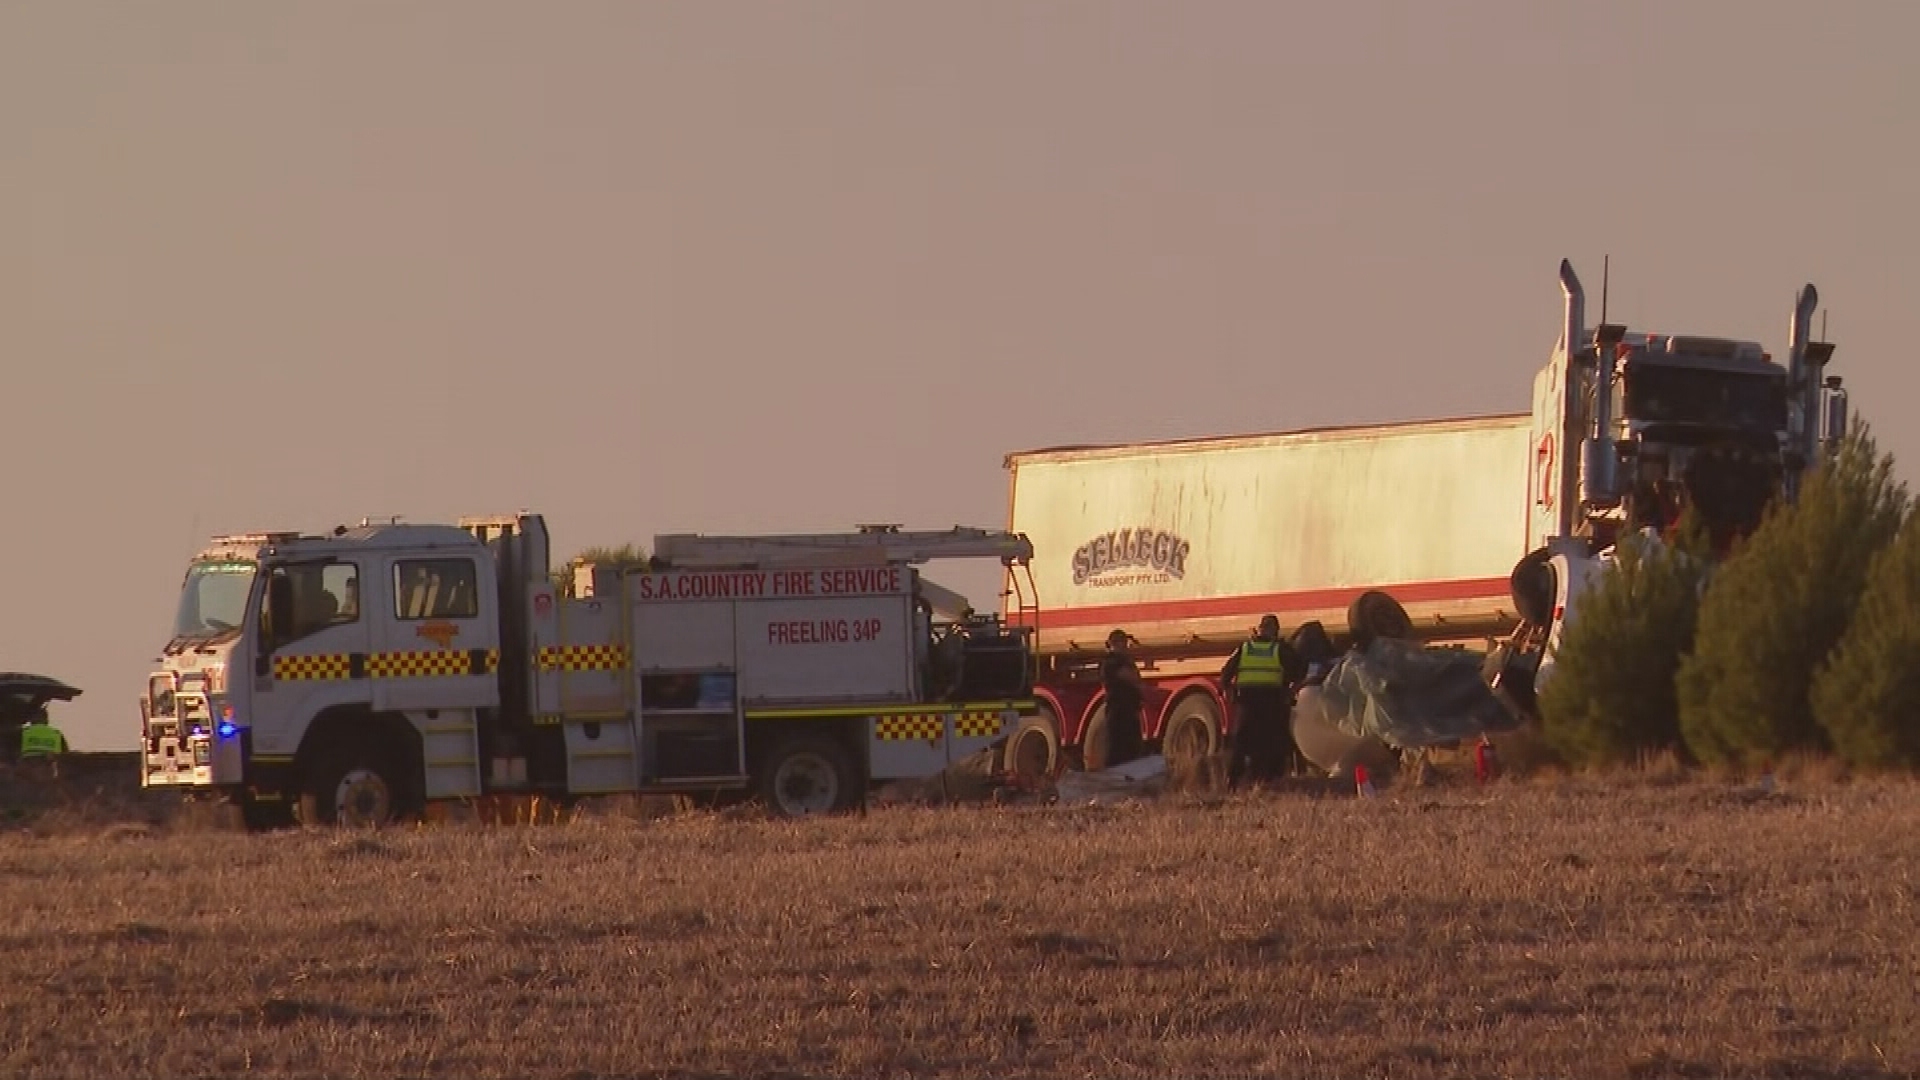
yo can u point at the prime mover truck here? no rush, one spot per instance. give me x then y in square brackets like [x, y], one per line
[1484, 528]
[356, 676]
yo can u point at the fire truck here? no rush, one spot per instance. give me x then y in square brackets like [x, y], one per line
[356, 677]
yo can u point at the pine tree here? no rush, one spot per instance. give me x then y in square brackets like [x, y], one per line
[625, 557]
[1867, 698]
[1612, 695]
[1777, 607]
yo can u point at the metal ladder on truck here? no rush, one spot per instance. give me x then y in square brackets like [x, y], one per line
[870, 544]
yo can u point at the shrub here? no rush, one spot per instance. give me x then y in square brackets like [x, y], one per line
[1777, 607]
[1866, 699]
[1612, 697]
[625, 557]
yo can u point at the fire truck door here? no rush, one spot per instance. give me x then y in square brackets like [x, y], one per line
[439, 636]
[314, 645]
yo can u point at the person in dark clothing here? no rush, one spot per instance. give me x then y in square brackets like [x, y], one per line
[1258, 679]
[1315, 649]
[1120, 679]
[1317, 657]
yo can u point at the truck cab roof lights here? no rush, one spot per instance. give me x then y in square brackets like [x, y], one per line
[255, 539]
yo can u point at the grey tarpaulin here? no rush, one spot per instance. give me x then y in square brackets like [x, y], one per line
[1408, 696]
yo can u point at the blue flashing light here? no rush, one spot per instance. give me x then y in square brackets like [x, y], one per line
[226, 729]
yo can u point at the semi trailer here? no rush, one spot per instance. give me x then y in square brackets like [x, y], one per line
[1484, 529]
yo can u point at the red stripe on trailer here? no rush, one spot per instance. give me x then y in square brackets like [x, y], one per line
[1277, 603]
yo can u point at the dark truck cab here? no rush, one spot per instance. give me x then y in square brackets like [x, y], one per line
[22, 699]
[1702, 424]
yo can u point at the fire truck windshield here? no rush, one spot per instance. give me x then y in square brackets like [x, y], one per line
[214, 600]
[1721, 399]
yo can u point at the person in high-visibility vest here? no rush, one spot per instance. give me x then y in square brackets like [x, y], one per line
[40, 739]
[1258, 678]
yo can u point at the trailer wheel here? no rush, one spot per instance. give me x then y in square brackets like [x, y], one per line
[1375, 614]
[1096, 742]
[1192, 734]
[1033, 750]
[807, 775]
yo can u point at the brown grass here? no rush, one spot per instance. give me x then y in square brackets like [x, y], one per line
[1561, 926]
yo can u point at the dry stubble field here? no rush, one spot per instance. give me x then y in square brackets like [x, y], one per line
[1630, 928]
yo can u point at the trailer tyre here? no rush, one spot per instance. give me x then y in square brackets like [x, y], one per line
[1096, 741]
[1033, 750]
[1192, 735]
[807, 775]
[1375, 614]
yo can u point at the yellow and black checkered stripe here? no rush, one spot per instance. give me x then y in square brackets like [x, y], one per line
[322, 666]
[424, 664]
[582, 658]
[911, 726]
[992, 708]
[421, 664]
[906, 728]
[973, 725]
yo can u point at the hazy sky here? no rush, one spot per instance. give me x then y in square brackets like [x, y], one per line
[779, 266]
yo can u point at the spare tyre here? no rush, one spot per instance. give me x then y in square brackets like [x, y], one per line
[1374, 614]
[1533, 585]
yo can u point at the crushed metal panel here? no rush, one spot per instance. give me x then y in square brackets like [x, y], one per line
[907, 745]
[910, 744]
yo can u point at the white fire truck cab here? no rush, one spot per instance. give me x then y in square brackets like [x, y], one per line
[362, 674]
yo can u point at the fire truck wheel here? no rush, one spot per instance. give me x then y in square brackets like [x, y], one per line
[357, 790]
[1032, 750]
[807, 775]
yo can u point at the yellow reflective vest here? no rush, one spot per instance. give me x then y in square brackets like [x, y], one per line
[41, 740]
[1260, 664]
